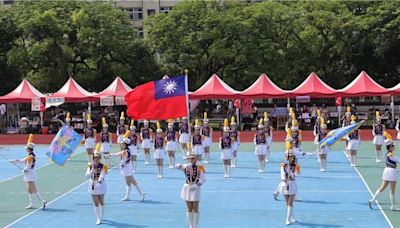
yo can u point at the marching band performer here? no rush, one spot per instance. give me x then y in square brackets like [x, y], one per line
[323, 151]
[67, 121]
[135, 146]
[289, 121]
[377, 132]
[206, 132]
[126, 167]
[346, 122]
[289, 171]
[261, 147]
[171, 146]
[354, 143]
[268, 134]
[225, 144]
[296, 135]
[317, 126]
[191, 190]
[197, 139]
[234, 134]
[105, 139]
[184, 135]
[30, 173]
[90, 138]
[97, 171]
[389, 176]
[159, 152]
[121, 129]
[147, 138]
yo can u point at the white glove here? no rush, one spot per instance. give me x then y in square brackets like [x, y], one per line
[24, 171]
[12, 161]
[107, 156]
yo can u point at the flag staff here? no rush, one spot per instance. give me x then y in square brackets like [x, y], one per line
[186, 71]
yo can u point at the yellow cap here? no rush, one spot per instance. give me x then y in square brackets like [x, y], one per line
[291, 111]
[377, 114]
[387, 135]
[98, 146]
[103, 120]
[205, 115]
[158, 125]
[322, 121]
[348, 109]
[233, 119]
[353, 118]
[88, 116]
[127, 134]
[265, 115]
[122, 115]
[197, 122]
[261, 122]
[226, 123]
[30, 138]
[68, 115]
[318, 112]
[132, 122]
[289, 133]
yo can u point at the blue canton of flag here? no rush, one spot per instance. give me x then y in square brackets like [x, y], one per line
[170, 87]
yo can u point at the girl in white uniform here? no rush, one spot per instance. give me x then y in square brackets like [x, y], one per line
[346, 122]
[323, 151]
[354, 143]
[191, 190]
[147, 138]
[225, 145]
[234, 134]
[90, 138]
[105, 139]
[268, 135]
[126, 168]
[296, 136]
[30, 174]
[159, 151]
[206, 132]
[171, 138]
[317, 127]
[96, 171]
[197, 139]
[389, 176]
[261, 148]
[134, 147]
[289, 171]
[377, 132]
[184, 136]
[121, 129]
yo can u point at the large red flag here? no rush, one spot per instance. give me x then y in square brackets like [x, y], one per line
[159, 100]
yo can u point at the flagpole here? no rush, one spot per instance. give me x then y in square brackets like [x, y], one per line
[187, 104]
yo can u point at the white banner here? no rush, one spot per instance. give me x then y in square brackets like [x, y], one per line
[120, 101]
[35, 104]
[54, 101]
[106, 101]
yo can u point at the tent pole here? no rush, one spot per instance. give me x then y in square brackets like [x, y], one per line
[89, 108]
[392, 107]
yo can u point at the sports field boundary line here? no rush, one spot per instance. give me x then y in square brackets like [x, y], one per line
[49, 203]
[370, 192]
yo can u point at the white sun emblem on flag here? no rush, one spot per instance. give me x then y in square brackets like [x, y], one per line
[170, 87]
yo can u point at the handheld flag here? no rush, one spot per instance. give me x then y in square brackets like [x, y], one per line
[339, 133]
[159, 100]
[63, 145]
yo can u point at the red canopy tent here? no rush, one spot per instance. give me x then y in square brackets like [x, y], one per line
[117, 89]
[363, 85]
[313, 86]
[214, 88]
[72, 92]
[22, 94]
[263, 87]
[395, 90]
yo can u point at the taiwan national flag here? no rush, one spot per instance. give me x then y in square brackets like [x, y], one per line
[159, 100]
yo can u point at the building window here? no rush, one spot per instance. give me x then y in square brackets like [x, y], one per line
[140, 32]
[151, 12]
[8, 2]
[165, 9]
[134, 13]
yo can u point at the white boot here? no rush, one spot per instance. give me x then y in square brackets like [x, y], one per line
[259, 166]
[393, 202]
[190, 219]
[207, 158]
[97, 213]
[233, 162]
[228, 171]
[142, 194]
[161, 171]
[147, 159]
[30, 205]
[378, 156]
[289, 215]
[44, 202]
[133, 166]
[353, 160]
[374, 198]
[195, 219]
[101, 212]
[225, 171]
[263, 166]
[267, 157]
[127, 193]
